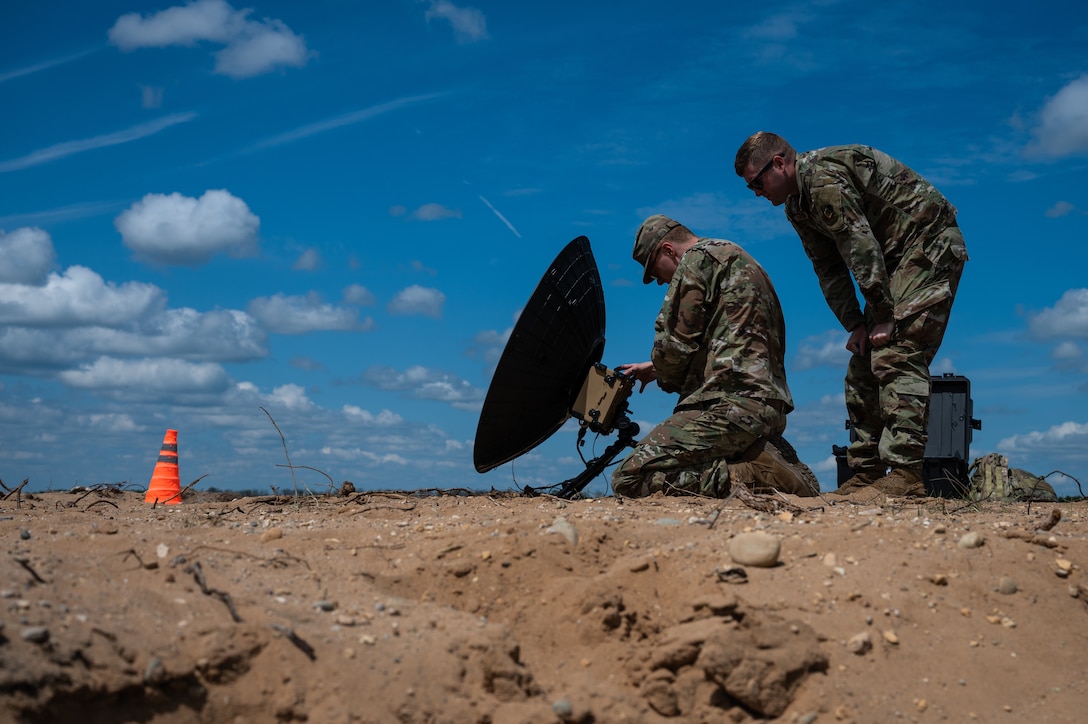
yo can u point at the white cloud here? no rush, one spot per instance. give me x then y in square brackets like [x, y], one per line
[309, 260]
[26, 256]
[151, 97]
[285, 314]
[213, 20]
[217, 336]
[111, 422]
[155, 376]
[261, 48]
[469, 24]
[252, 47]
[1067, 351]
[1068, 318]
[359, 296]
[417, 300]
[826, 350]
[1059, 437]
[1062, 129]
[425, 383]
[79, 296]
[221, 335]
[177, 229]
[435, 212]
[943, 365]
[779, 28]
[385, 418]
[1062, 208]
[290, 396]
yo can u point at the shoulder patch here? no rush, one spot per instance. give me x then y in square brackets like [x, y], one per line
[827, 207]
[828, 214]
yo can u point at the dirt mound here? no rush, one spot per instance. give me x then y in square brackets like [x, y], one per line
[474, 608]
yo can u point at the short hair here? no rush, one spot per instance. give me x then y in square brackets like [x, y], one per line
[679, 234]
[760, 148]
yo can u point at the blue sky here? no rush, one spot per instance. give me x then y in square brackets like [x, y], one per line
[333, 212]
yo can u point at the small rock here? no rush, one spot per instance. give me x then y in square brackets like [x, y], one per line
[640, 565]
[970, 540]
[35, 634]
[1006, 586]
[155, 671]
[732, 574]
[860, 644]
[563, 527]
[460, 567]
[325, 606]
[271, 534]
[24, 534]
[755, 549]
[891, 637]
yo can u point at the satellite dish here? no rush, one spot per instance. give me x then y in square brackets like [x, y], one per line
[550, 369]
[557, 338]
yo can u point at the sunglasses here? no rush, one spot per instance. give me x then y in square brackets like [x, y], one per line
[755, 184]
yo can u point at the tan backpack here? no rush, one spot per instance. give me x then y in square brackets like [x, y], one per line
[993, 479]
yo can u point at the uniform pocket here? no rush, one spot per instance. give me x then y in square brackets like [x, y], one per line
[922, 299]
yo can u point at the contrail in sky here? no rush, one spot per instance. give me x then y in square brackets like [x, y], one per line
[61, 150]
[45, 65]
[501, 217]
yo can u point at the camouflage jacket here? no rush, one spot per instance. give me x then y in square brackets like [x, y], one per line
[720, 332]
[861, 212]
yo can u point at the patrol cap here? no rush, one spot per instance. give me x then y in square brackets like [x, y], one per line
[648, 238]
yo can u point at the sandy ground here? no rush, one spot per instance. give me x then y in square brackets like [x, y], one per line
[391, 607]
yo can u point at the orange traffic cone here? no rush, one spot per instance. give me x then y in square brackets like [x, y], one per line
[165, 486]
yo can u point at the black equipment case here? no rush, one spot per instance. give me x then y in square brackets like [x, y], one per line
[948, 446]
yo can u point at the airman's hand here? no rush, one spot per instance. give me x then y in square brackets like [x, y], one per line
[881, 334]
[859, 337]
[644, 372]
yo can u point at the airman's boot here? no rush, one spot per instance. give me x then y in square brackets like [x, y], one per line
[861, 479]
[772, 464]
[903, 482]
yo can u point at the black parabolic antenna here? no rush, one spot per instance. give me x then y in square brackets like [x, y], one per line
[556, 340]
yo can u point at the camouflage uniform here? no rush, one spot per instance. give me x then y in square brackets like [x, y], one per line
[720, 343]
[862, 213]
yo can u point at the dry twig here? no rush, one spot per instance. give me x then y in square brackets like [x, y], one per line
[298, 642]
[198, 576]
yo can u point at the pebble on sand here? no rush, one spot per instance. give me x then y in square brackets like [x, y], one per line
[860, 644]
[755, 549]
[970, 540]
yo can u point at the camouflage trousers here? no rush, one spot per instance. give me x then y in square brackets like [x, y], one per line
[688, 452]
[887, 389]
